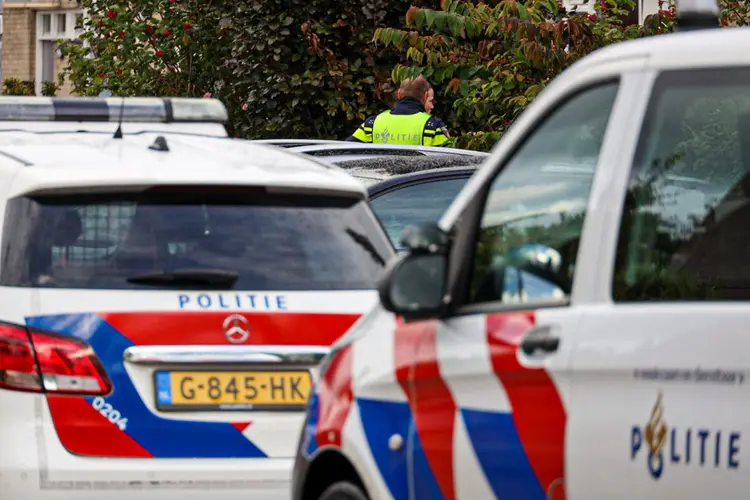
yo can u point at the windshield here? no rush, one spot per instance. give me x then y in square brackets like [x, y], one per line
[261, 241]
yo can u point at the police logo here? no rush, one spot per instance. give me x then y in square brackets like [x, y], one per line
[682, 446]
[385, 136]
[655, 432]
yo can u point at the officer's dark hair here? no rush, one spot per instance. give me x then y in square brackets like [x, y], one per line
[415, 87]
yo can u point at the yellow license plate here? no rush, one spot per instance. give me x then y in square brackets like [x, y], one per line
[256, 390]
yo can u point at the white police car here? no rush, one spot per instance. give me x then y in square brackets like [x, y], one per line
[164, 290]
[626, 379]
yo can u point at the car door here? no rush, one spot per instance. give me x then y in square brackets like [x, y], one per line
[670, 329]
[415, 203]
[488, 387]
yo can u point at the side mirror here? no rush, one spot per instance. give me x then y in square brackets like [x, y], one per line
[414, 285]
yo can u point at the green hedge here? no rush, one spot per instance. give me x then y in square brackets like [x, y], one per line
[290, 68]
[314, 69]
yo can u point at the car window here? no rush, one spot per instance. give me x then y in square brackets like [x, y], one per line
[291, 242]
[533, 217]
[684, 233]
[415, 204]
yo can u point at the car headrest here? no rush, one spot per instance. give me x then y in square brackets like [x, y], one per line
[68, 228]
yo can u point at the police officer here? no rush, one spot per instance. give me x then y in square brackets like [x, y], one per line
[409, 122]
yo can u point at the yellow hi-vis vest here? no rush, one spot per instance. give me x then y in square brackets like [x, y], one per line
[399, 129]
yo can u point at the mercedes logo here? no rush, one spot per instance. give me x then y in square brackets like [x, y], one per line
[236, 329]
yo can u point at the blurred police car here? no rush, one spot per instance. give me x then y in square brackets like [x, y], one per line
[626, 186]
[164, 291]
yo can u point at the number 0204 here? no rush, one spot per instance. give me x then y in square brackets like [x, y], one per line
[110, 413]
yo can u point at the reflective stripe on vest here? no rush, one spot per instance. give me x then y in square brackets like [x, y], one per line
[399, 129]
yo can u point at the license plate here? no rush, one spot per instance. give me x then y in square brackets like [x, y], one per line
[217, 390]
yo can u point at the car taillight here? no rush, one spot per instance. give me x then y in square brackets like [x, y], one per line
[38, 361]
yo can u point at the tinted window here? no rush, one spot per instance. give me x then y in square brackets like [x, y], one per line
[533, 216]
[272, 242]
[415, 204]
[684, 233]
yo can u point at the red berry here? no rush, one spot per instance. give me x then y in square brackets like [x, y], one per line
[659, 32]
[118, 71]
[159, 53]
[111, 14]
[154, 37]
[187, 26]
[121, 34]
[592, 17]
[149, 29]
[102, 76]
[171, 1]
[107, 34]
[167, 32]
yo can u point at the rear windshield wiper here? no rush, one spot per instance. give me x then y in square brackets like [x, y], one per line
[364, 242]
[187, 277]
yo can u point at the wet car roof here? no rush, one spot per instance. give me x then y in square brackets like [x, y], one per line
[377, 169]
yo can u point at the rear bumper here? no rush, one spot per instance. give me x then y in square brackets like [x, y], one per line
[35, 466]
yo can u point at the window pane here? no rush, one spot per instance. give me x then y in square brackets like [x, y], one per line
[533, 217]
[272, 242]
[684, 234]
[61, 24]
[416, 204]
[48, 60]
[46, 24]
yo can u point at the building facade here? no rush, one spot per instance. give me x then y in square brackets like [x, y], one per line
[31, 31]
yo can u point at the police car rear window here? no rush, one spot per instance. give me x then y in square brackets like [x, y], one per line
[266, 242]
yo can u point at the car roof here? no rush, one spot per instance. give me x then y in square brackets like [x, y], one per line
[424, 175]
[377, 169]
[60, 160]
[345, 150]
[682, 50]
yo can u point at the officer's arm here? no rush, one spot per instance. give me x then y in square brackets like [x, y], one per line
[436, 133]
[363, 132]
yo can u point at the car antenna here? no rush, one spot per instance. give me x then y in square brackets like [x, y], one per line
[118, 132]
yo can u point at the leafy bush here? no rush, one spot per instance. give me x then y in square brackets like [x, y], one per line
[284, 69]
[302, 69]
[152, 48]
[491, 60]
[49, 88]
[14, 86]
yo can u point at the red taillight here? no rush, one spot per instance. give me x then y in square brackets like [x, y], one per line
[32, 360]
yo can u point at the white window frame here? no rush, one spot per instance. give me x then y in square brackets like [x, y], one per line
[69, 33]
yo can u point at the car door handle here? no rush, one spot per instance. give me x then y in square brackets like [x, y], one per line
[540, 339]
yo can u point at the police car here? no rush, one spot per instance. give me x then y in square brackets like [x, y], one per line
[164, 291]
[625, 187]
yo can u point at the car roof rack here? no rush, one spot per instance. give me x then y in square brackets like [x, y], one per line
[112, 109]
[295, 143]
[367, 149]
[697, 15]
